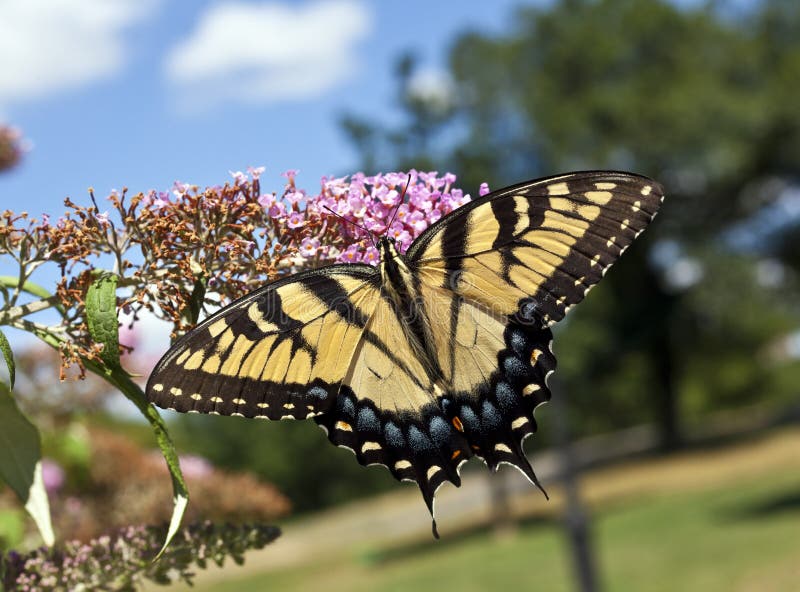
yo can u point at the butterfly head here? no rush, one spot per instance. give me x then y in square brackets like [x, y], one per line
[387, 247]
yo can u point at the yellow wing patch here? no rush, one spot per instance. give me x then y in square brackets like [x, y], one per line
[386, 369]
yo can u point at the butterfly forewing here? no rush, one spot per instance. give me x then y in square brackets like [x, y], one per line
[280, 352]
[539, 245]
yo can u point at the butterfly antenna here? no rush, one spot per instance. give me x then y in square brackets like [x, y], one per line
[356, 224]
[402, 199]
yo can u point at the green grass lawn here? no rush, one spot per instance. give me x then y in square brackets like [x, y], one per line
[738, 536]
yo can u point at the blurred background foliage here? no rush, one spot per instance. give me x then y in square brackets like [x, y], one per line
[702, 314]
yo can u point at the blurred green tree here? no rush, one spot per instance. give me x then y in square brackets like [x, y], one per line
[704, 100]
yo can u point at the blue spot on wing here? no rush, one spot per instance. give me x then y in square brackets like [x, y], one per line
[514, 367]
[368, 421]
[318, 393]
[440, 430]
[490, 416]
[394, 435]
[419, 442]
[506, 396]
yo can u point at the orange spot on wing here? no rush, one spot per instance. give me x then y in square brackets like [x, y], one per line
[456, 454]
[457, 424]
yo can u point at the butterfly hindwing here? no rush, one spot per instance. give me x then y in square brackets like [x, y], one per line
[280, 352]
[542, 244]
[494, 366]
[388, 413]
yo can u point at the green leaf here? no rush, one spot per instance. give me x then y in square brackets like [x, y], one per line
[101, 317]
[9, 356]
[21, 463]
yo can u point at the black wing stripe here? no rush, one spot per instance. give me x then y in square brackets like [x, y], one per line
[454, 239]
[334, 295]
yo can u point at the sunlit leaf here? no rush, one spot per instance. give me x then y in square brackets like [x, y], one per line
[21, 463]
[101, 317]
[9, 357]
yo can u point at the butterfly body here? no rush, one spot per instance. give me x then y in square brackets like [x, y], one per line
[399, 289]
[436, 355]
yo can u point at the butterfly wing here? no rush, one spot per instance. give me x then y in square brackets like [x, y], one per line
[493, 276]
[538, 246]
[280, 352]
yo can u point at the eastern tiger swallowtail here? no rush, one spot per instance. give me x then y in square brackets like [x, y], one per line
[434, 356]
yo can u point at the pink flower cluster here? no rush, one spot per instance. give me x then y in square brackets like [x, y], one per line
[400, 205]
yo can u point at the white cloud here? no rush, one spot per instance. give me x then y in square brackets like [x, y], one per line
[268, 52]
[61, 44]
[435, 87]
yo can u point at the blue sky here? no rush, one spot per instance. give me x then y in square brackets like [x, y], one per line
[140, 93]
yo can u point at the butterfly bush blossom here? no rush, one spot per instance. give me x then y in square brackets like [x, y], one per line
[381, 205]
[12, 146]
[176, 253]
[124, 560]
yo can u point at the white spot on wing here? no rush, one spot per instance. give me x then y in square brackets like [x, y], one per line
[606, 185]
[519, 422]
[345, 427]
[530, 389]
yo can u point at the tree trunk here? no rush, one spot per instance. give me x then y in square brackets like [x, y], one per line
[576, 519]
[667, 404]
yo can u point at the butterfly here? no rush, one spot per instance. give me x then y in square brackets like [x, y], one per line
[432, 357]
